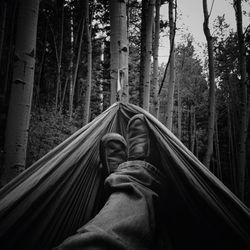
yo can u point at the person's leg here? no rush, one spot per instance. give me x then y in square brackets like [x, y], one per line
[127, 220]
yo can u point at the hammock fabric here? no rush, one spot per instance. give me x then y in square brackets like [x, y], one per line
[59, 193]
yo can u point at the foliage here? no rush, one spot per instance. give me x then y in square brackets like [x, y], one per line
[48, 129]
[193, 93]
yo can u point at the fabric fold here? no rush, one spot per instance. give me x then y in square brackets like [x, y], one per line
[59, 193]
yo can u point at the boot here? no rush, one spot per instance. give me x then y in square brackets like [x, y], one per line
[113, 151]
[141, 143]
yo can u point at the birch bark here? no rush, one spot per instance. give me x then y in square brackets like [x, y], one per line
[17, 127]
[119, 51]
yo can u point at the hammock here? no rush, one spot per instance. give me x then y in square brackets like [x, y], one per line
[63, 190]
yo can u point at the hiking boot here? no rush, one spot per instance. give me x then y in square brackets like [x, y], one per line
[113, 151]
[141, 143]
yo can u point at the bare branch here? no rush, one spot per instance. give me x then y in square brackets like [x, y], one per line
[248, 27]
[211, 9]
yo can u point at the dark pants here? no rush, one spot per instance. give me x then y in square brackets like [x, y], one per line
[129, 218]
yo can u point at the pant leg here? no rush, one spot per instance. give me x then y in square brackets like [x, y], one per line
[127, 220]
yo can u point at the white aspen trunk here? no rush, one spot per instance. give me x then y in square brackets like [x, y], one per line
[148, 55]
[211, 117]
[101, 79]
[156, 99]
[243, 101]
[170, 103]
[17, 127]
[86, 107]
[143, 49]
[119, 51]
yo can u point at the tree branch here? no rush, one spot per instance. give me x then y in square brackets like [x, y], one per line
[211, 9]
[248, 27]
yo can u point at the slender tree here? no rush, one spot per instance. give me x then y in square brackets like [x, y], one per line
[170, 102]
[179, 109]
[86, 105]
[37, 86]
[211, 116]
[21, 90]
[71, 65]
[143, 49]
[243, 100]
[155, 106]
[148, 54]
[79, 50]
[59, 63]
[13, 6]
[217, 150]
[2, 27]
[119, 51]
[193, 128]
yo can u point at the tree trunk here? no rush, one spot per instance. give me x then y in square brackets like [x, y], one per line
[72, 89]
[143, 49]
[86, 112]
[196, 145]
[119, 51]
[10, 46]
[71, 66]
[170, 103]
[64, 92]
[41, 66]
[59, 63]
[211, 117]
[2, 28]
[193, 129]
[21, 91]
[243, 100]
[190, 108]
[102, 78]
[155, 108]
[38, 78]
[232, 154]
[148, 55]
[179, 111]
[217, 150]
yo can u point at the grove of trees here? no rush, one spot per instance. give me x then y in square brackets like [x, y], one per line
[63, 62]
